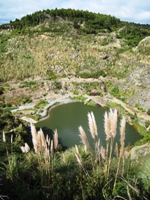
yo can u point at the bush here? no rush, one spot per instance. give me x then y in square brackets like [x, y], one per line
[147, 123]
[57, 85]
[26, 100]
[115, 92]
[1, 90]
[148, 112]
[41, 104]
[27, 84]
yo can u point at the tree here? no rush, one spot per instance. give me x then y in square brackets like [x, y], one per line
[75, 24]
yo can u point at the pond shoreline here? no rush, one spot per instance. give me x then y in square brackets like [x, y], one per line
[68, 99]
[50, 106]
[100, 101]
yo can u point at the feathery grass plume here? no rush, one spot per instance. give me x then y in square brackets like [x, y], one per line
[77, 154]
[4, 137]
[122, 135]
[52, 148]
[110, 125]
[97, 149]
[34, 137]
[110, 116]
[43, 140]
[39, 142]
[11, 138]
[55, 139]
[22, 149]
[25, 149]
[84, 138]
[78, 159]
[114, 119]
[92, 124]
[76, 148]
[103, 152]
[48, 141]
[107, 126]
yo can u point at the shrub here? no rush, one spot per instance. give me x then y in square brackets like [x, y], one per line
[147, 123]
[41, 104]
[57, 85]
[1, 90]
[144, 173]
[115, 92]
[148, 112]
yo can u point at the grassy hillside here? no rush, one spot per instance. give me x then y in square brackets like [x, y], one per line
[69, 42]
[54, 44]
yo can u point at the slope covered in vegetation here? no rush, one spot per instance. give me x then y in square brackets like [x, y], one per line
[60, 43]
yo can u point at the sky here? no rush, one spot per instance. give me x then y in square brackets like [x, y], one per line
[137, 11]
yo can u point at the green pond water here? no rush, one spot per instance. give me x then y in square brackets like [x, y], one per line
[68, 117]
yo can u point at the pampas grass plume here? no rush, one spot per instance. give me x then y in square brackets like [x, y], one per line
[107, 126]
[83, 137]
[4, 137]
[55, 139]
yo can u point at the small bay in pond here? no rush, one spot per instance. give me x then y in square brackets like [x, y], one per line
[67, 118]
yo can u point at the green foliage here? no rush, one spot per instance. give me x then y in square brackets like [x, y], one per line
[1, 90]
[3, 42]
[139, 107]
[115, 92]
[80, 98]
[144, 173]
[41, 104]
[26, 100]
[144, 140]
[57, 85]
[13, 128]
[92, 21]
[148, 112]
[27, 84]
[76, 24]
[133, 34]
[147, 123]
[92, 74]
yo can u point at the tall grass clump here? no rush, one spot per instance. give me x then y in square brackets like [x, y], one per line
[110, 127]
[44, 149]
[110, 163]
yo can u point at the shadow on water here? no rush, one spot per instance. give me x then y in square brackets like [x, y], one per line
[50, 133]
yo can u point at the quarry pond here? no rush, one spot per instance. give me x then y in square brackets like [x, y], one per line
[67, 118]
